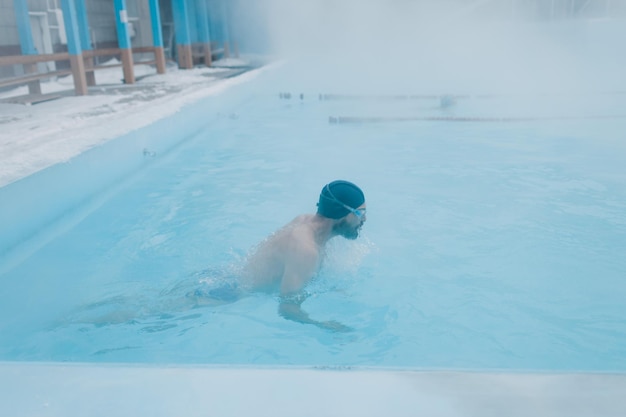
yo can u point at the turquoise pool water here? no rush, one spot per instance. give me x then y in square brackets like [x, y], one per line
[493, 245]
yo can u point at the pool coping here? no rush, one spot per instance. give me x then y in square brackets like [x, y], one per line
[79, 389]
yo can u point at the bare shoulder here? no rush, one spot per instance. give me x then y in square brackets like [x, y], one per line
[299, 227]
[296, 237]
[303, 220]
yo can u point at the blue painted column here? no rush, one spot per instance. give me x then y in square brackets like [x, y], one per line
[155, 20]
[225, 31]
[203, 30]
[183, 36]
[83, 25]
[229, 29]
[123, 40]
[192, 19]
[23, 26]
[74, 47]
[157, 35]
[214, 22]
[85, 40]
[26, 41]
[70, 20]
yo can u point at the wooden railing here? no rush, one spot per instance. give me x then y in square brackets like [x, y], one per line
[32, 76]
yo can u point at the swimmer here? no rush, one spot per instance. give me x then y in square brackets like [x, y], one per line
[291, 257]
[286, 261]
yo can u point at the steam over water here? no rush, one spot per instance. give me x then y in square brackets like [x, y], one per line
[447, 46]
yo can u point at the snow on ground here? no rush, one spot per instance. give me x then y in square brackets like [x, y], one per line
[33, 137]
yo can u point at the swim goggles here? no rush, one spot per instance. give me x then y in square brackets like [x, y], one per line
[359, 213]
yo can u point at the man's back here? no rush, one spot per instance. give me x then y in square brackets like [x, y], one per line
[289, 254]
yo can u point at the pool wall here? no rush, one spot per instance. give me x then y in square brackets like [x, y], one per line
[36, 208]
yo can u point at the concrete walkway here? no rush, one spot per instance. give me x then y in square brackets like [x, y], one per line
[34, 137]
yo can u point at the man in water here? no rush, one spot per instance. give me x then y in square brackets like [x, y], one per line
[290, 258]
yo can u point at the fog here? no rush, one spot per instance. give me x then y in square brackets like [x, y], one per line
[445, 45]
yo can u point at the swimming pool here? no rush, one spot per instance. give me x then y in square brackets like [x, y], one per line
[489, 245]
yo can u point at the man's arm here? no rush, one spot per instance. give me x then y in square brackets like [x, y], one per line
[290, 308]
[295, 277]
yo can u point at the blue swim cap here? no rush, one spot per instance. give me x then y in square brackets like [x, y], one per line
[336, 193]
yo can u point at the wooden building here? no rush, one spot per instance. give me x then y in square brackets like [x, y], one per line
[41, 39]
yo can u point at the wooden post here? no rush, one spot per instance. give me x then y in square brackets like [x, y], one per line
[185, 56]
[78, 71]
[123, 40]
[85, 40]
[159, 56]
[73, 47]
[157, 36]
[203, 25]
[127, 65]
[183, 36]
[34, 87]
[208, 59]
[90, 74]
